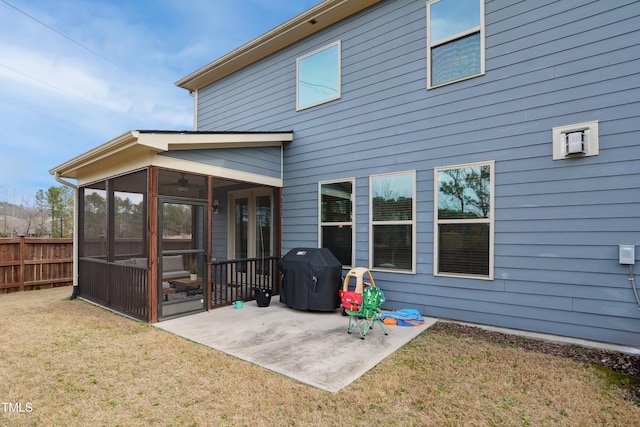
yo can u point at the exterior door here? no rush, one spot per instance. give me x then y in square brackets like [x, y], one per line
[182, 274]
[251, 227]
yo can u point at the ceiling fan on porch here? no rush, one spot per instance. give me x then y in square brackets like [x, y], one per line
[183, 184]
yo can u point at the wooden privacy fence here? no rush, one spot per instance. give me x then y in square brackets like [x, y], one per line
[28, 263]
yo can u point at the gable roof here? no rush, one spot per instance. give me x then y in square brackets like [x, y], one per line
[309, 22]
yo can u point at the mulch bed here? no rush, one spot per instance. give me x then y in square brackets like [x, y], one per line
[623, 363]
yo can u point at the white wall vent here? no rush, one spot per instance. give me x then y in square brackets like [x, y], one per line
[577, 140]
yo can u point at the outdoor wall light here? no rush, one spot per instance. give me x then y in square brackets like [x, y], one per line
[216, 206]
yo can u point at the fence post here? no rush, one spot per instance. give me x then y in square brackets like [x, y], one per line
[21, 265]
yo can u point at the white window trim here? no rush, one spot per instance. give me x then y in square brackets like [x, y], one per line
[336, 43]
[470, 31]
[351, 223]
[412, 222]
[490, 221]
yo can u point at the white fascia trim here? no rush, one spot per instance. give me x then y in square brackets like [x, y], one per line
[186, 141]
[120, 143]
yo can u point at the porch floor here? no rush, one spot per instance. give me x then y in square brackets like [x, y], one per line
[309, 346]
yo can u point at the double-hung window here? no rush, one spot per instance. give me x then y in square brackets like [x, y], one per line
[318, 76]
[463, 234]
[336, 218]
[393, 221]
[455, 40]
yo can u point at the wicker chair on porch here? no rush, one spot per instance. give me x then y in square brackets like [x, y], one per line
[368, 313]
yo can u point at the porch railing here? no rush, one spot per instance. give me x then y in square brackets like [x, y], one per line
[124, 288]
[238, 279]
[120, 287]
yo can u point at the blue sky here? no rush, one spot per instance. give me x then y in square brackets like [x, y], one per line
[77, 73]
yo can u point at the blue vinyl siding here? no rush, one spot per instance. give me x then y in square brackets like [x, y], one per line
[558, 224]
[259, 160]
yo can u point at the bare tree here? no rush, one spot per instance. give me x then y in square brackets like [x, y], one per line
[8, 209]
[28, 214]
[41, 215]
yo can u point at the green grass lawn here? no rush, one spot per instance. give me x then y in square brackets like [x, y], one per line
[70, 363]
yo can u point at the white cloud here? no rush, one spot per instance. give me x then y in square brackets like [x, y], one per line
[72, 83]
[91, 70]
[38, 71]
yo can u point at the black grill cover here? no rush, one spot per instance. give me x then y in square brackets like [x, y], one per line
[311, 279]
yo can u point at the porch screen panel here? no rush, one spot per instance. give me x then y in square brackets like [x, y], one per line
[94, 232]
[130, 215]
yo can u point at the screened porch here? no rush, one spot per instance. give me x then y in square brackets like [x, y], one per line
[174, 222]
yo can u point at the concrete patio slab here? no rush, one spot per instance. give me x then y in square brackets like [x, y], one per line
[308, 346]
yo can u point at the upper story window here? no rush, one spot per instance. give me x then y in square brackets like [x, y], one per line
[336, 219]
[318, 76]
[455, 40]
[393, 221]
[463, 235]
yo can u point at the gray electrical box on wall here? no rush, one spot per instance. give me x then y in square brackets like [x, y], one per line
[627, 254]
